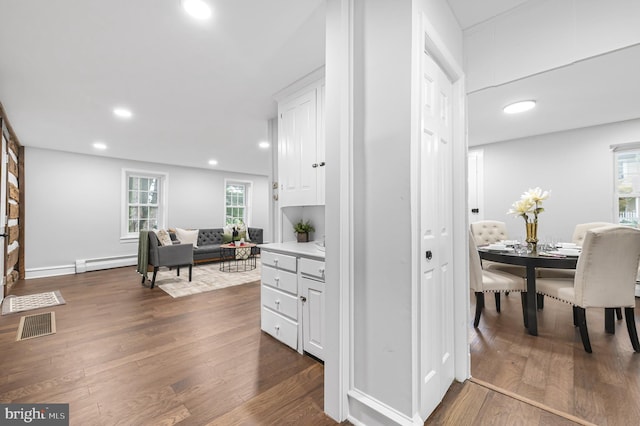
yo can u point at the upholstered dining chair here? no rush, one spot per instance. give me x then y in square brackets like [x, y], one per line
[605, 278]
[488, 232]
[484, 281]
[579, 233]
[493, 231]
[172, 256]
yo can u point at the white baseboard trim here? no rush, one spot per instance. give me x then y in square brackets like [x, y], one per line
[82, 265]
[366, 410]
[50, 271]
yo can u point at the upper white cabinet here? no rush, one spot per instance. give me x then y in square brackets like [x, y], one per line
[301, 147]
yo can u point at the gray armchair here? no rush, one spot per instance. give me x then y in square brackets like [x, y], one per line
[174, 256]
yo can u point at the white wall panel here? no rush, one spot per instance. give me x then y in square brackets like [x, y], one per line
[74, 202]
[542, 35]
[576, 165]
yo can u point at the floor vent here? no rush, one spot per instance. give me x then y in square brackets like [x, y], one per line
[36, 325]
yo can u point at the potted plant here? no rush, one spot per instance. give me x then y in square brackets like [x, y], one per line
[302, 230]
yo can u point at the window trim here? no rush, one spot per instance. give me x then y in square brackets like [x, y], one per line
[163, 202]
[616, 150]
[248, 196]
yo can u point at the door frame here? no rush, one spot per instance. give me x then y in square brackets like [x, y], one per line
[428, 40]
[340, 209]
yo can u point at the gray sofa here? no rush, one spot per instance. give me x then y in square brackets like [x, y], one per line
[209, 241]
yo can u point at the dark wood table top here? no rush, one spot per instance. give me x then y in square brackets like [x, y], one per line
[530, 259]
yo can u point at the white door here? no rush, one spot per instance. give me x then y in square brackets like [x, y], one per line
[476, 195]
[436, 281]
[3, 207]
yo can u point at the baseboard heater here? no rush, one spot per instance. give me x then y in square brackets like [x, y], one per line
[88, 265]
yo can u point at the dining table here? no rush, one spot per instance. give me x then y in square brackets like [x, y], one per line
[531, 261]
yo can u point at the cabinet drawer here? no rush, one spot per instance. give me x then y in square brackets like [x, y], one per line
[283, 280]
[277, 260]
[312, 268]
[280, 327]
[283, 303]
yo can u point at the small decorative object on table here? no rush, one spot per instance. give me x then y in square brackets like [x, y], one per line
[530, 203]
[302, 230]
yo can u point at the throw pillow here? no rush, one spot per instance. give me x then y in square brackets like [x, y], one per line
[188, 236]
[163, 237]
[226, 238]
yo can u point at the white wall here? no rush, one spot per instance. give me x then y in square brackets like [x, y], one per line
[74, 205]
[542, 35]
[382, 287]
[576, 165]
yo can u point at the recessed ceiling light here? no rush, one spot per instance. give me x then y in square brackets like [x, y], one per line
[99, 145]
[213, 162]
[521, 106]
[122, 112]
[198, 9]
[264, 144]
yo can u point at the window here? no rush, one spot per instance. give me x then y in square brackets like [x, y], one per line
[144, 202]
[627, 186]
[236, 202]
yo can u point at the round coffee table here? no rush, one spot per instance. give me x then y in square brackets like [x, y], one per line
[238, 258]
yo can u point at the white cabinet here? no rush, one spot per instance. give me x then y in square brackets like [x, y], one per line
[312, 298]
[279, 297]
[301, 147]
[292, 299]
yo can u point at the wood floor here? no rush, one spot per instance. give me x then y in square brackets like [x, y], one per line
[127, 355]
[552, 368]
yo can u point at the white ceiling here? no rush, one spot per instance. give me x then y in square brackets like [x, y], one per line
[198, 90]
[204, 90]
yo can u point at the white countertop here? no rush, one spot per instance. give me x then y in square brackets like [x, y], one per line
[309, 249]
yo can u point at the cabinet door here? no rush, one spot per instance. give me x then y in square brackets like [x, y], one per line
[297, 150]
[320, 148]
[313, 330]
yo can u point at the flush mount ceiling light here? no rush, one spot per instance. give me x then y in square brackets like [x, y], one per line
[517, 107]
[198, 9]
[213, 162]
[264, 144]
[122, 112]
[99, 145]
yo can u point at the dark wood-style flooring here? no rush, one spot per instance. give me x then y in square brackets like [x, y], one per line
[552, 368]
[127, 355]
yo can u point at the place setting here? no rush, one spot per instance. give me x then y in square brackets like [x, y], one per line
[560, 250]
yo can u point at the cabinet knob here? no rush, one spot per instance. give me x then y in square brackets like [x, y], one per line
[277, 302]
[314, 165]
[303, 299]
[322, 163]
[277, 327]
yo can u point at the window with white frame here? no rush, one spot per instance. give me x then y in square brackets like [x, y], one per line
[144, 206]
[627, 185]
[236, 202]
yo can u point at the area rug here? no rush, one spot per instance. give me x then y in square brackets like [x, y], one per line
[12, 304]
[204, 278]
